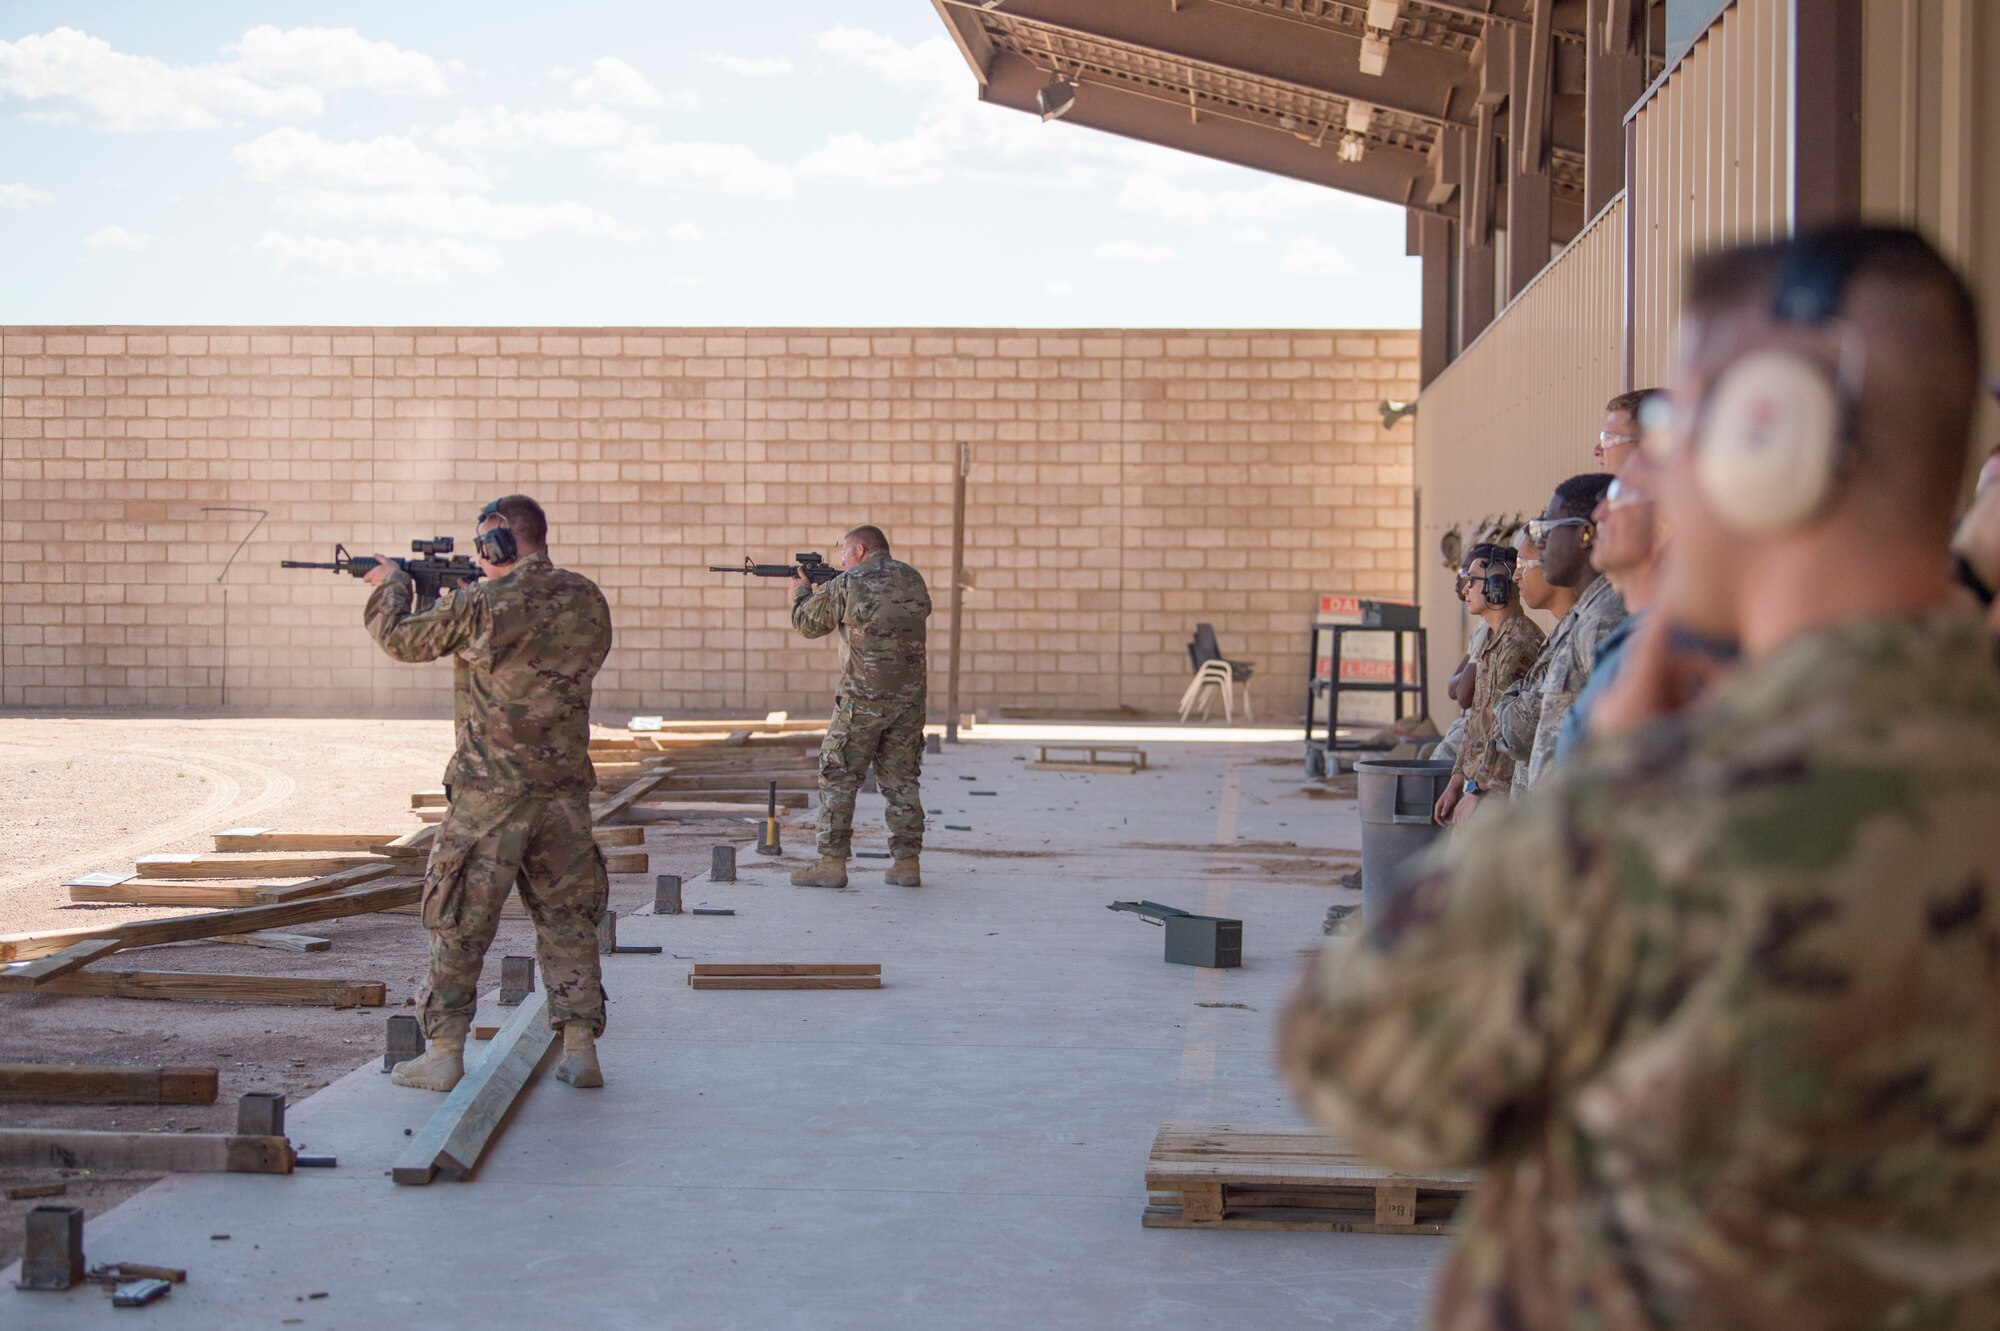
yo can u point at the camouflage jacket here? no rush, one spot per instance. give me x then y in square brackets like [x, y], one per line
[1505, 657]
[1530, 714]
[525, 648]
[879, 607]
[1717, 1006]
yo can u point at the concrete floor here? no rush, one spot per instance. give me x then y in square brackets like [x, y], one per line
[963, 1148]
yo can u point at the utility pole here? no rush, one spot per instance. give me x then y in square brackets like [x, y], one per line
[963, 470]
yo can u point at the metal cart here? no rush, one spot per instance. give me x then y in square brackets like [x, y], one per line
[1412, 699]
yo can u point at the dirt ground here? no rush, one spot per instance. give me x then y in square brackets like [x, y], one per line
[80, 794]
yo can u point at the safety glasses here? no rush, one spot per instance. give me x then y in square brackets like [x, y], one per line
[1624, 495]
[1539, 528]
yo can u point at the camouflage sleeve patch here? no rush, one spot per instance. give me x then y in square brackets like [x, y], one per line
[817, 613]
[449, 626]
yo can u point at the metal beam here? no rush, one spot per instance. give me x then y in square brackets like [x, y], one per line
[1614, 76]
[1529, 188]
[1475, 237]
[1825, 112]
[1391, 175]
[1423, 82]
[968, 36]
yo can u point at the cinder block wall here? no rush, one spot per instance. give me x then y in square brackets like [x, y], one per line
[1124, 486]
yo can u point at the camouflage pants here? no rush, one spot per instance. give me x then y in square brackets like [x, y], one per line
[889, 735]
[487, 844]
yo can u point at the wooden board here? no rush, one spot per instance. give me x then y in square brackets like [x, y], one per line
[748, 797]
[606, 810]
[144, 1152]
[278, 940]
[1237, 1176]
[1114, 769]
[176, 928]
[327, 884]
[784, 982]
[786, 968]
[244, 840]
[198, 987]
[77, 1083]
[750, 807]
[145, 893]
[627, 861]
[59, 961]
[465, 1124]
[657, 726]
[748, 779]
[254, 866]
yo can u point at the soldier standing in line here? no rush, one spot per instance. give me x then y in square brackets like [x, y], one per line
[1716, 1005]
[879, 607]
[526, 643]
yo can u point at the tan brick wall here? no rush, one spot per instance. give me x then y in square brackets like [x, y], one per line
[1125, 485]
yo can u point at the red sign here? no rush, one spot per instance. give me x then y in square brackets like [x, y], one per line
[1357, 671]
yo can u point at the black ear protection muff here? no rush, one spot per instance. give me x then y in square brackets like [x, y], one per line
[497, 546]
[1773, 432]
[1498, 589]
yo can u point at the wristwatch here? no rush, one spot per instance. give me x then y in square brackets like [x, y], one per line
[1471, 787]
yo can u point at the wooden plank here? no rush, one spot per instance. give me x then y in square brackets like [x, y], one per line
[79, 1083]
[278, 940]
[749, 797]
[144, 1152]
[253, 866]
[1114, 769]
[787, 968]
[240, 841]
[605, 810]
[658, 726]
[750, 778]
[627, 861]
[57, 961]
[737, 808]
[427, 799]
[143, 933]
[330, 883]
[200, 987]
[464, 1125]
[784, 982]
[170, 894]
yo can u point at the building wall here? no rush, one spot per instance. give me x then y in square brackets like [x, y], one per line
[1124, 485]
[1517, 414]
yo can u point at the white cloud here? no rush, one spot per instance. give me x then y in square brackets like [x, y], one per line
[895, 163]
[497, 129]
[429, 261]
[1057, 288]
[719, 168]
[301, 157]
[275, 75]
[1250, 235]
[115, 238]
[22, 196]
[687, 231]
[448, 214]
[612, 82]
[932, 65]
[1132, 251]
[334, 58]
[1272, 201]
[1308, 257]
[72, 74]
[751, 67]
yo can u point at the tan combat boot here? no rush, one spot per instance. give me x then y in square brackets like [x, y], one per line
[903, 873]
[579, 1057]
[827, 873]
[437, 1069]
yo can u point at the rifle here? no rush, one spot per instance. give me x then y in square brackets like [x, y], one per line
[817, 570]
[431, 574]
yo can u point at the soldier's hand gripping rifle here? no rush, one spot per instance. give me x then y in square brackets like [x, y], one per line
[431, 573]
[817, 570]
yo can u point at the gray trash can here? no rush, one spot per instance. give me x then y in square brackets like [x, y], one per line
[1396, 796]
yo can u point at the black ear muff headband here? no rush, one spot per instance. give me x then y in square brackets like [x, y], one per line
[497, 546]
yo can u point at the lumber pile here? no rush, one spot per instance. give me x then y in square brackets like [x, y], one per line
[71, 1083]
[1238, 1176]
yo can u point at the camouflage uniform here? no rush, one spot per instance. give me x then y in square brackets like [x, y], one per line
[1717, 1006]
[1454, 734]
[525, 648]
[1506, 656]
[1530, 714]
[879, 607]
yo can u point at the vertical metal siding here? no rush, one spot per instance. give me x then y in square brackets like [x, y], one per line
[1713, 164]
[1520, 410]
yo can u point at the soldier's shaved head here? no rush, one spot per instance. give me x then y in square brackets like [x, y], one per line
[870, 539]
[1918, 325]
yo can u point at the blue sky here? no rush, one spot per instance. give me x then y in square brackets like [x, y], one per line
[633, 163]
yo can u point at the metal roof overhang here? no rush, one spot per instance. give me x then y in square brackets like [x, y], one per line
[1258, 83]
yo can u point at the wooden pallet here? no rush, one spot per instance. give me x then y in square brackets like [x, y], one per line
[1242, 1176]
[1122, 759]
